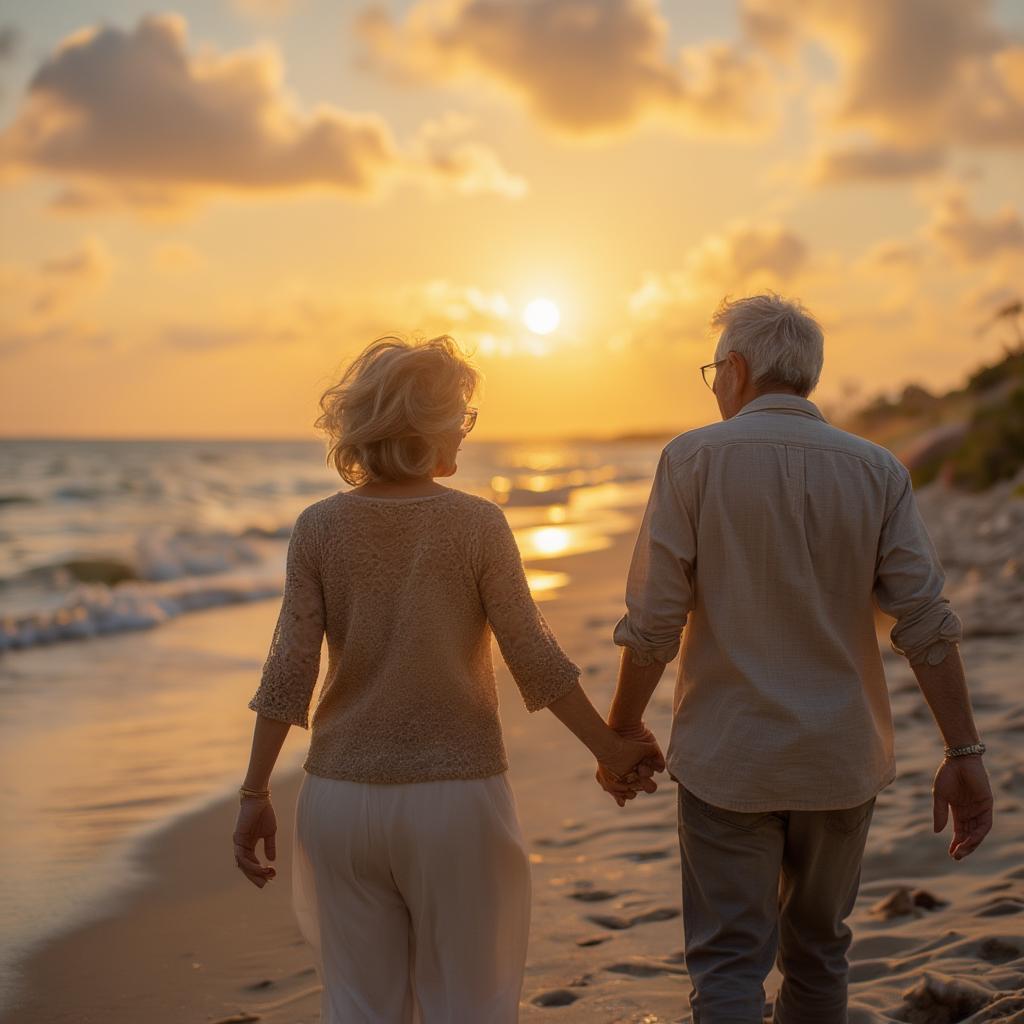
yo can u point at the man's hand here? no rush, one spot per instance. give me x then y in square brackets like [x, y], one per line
[641, 746]
[961, 785]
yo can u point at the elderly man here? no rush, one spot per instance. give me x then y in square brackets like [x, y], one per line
[771, 536]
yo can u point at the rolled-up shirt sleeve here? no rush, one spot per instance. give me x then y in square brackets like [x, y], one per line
[659, 585]
[293, 663]
[908, 584]
[539, 666]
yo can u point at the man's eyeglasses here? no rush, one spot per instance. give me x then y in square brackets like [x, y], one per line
[708, 371]
[469, 419]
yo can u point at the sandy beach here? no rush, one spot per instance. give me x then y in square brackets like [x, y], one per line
[935, 941]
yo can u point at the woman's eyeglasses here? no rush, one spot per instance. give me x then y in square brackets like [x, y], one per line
[469, 419]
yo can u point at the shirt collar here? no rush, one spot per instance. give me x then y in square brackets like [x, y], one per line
[782, 402]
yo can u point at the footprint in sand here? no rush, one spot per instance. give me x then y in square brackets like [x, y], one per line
[555, 997]
[643, 856]
[549, 842]
[939, 997]
[1002, 905]
[593, 895]
[644, 969]
[906, 901]
[998, 951]
[618, 924]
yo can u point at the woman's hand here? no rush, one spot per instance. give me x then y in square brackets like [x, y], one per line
[256, 821]
[629, 765]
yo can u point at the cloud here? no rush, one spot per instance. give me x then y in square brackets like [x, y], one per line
[176, 257]
[308, 321]
[39, 300]
[893, 254]
[874, 163]
[743, 257]
[745, 251]
[446, 157]
[583, 68]
[134, 119]
[204, 337]
[67, 337]
[89, 264]
[266, 9]
[916, 76]
[971, 238]
[41, 292]
[10, 41]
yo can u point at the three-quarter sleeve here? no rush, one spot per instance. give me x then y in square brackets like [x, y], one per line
[293, 663]
[909, 581]
[539, 666]
[659, 585]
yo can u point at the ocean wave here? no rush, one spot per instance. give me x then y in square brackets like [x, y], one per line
[95, 609]
[556, 488]
[157, 555]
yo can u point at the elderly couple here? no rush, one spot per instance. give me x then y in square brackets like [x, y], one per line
[769, 536]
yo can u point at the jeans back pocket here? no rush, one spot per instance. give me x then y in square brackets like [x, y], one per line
[848, 820]
[745, 821]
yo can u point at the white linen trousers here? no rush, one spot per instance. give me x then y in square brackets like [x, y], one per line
[415, 898]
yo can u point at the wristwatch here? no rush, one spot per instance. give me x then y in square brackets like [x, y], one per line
[974, 748]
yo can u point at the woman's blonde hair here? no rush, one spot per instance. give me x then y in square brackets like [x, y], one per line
[385, 417]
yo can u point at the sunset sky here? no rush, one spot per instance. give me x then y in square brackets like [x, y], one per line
[208, 208]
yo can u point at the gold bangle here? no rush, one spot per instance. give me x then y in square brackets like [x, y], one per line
[261, 793]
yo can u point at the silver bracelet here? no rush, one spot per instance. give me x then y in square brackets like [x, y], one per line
[974, 748]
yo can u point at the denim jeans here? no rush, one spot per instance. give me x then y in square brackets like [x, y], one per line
[768, 887]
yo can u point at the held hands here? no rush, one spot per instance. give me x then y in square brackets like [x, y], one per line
[256, 820]
[961, 785]
[629, 767]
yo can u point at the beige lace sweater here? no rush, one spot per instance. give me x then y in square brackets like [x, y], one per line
[407, 591]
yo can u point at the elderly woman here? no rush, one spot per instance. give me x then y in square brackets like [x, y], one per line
[411, 879]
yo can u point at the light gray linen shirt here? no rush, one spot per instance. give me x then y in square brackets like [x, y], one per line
[770, 536]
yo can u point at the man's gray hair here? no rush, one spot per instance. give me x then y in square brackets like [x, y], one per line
[782, 343]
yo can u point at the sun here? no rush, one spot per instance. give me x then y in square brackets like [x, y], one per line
[541, 316]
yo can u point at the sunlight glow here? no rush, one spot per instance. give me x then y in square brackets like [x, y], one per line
[551, 540]
[541, 316]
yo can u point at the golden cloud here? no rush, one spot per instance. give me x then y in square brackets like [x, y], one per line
[10, 41]
[449, 160]
[869, 162]
[132, 118]
[744, 257]
[272, 9]
[917, 77]
[971, 238]
[39, 293]
[893, 254]
[176, 257]
[584, 68]
[39, 300]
